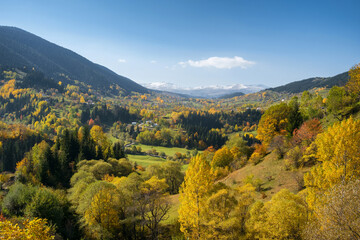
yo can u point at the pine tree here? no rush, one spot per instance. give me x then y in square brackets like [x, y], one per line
[118, 150]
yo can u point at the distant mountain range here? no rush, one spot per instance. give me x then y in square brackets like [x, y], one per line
[212, 91]
[229, 91]
[310, 83]
[19, 48]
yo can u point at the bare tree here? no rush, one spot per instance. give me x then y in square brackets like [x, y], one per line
[339, 217]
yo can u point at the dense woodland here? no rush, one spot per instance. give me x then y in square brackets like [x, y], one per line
[266, 165]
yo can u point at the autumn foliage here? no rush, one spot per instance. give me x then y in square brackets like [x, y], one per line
[307, 132]
[30, 229]
[353, 84]
[339, 160]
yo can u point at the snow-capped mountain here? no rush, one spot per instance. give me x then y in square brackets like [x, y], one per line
[161, 86]
[212, 91]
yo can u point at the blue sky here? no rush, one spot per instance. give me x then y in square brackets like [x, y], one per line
[201, 42]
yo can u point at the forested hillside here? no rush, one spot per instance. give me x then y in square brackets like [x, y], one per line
[311, 83]
[20, 49]
[83, 161]
[151, 166]
[177, 134]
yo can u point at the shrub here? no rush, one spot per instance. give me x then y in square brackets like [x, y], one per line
[18, 197]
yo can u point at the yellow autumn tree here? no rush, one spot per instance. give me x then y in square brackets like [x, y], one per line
[338, 151]
[246, 195]
[274, 122]
[281, 218]
[82, 99]
[193, 196]
[98, 135]
[267, 130]
[102, 217]
[222, 158]
[353, 85]
[31, 229]
[7, 88]
[220, 222]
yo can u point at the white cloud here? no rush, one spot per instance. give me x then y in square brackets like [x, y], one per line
[120, 60]
[219, 62]
[153, 61]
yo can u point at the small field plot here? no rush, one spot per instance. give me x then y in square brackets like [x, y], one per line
[169, 151]
[145, 160]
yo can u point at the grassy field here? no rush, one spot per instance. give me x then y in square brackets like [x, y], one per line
[148, 160]
[173, 199]
[145, 161]
[112, 138]
[184, 167]
[272, 173]
[236, 134]
[169, 151]
[173, 212]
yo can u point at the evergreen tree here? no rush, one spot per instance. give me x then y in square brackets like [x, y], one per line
[118, 150]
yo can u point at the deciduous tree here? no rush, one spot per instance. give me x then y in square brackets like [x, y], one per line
[193, 194]
[353, 85]
[154, 205]
[275, 121]
[339, 217]
[102, 216]
[338, 153]
[36, 228]
[222, 158]
[281, 218]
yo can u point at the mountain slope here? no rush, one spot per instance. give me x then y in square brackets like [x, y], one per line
[231, 95]
[310, 83]
[19, 48]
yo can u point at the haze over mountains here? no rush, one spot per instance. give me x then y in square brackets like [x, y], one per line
[212, 91]
[216, 91]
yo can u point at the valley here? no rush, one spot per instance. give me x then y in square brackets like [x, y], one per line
[86, 153]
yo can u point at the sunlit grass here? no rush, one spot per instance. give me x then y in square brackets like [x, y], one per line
[145, 160]
[169, 151]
